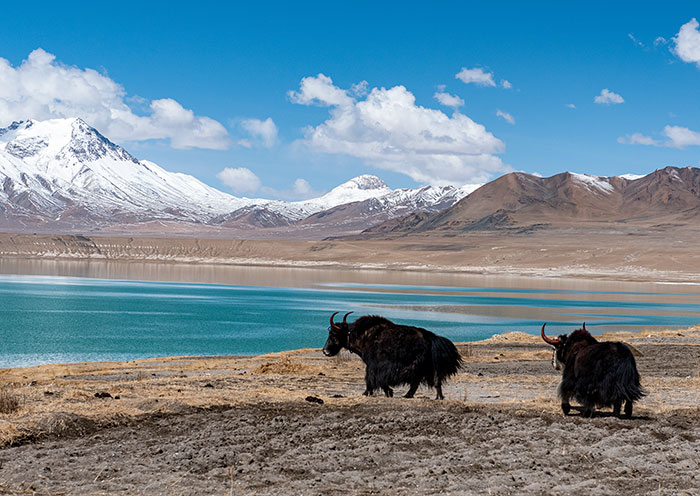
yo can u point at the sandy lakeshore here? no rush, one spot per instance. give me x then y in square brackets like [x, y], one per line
[296, 423]
[589, 252]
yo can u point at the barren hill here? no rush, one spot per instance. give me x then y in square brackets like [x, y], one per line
[520, 201]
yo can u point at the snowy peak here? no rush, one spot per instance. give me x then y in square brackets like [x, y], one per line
[58, 139]
[364, 182]
[63, 170]
[357, 189]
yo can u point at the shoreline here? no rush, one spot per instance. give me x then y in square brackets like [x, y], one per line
[579, 273]
[585, 256]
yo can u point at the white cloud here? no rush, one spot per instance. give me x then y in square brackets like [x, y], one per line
[43, 88]
[637, 139]
[635, 40]
[360, 89]
[687, 42]
[680, 137]
[607, 97]
[476, 76]
[388, 130]
[301, 187]
[506, 84]
[320, 90]
[448, 100]
[240, 180]
[660, 40]
[571, 105]
[301, 190]
[265, 130]
[243, 180]
[506, 116]
[676, 137]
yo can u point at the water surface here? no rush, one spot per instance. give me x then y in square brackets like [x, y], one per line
[56, 319]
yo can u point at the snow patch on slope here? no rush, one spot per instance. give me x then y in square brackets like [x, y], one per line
[594, 183]
[632, 177]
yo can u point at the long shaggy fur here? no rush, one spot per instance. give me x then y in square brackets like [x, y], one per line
[598, 374]
[611, 376]
[396, 354]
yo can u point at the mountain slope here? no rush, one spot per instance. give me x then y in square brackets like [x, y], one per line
[63, 174]
[64, 167]
[519, 200]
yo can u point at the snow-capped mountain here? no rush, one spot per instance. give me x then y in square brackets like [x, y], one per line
[64, 167]
[62, 172]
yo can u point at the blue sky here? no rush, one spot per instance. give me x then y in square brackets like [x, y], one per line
[273, 93]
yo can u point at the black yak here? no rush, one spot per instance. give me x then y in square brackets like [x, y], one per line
[595, 374]
[395, 354]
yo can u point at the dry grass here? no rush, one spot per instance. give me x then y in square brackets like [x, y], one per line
[10, 400]
[512, 337]
[58, 400]
[286, 366]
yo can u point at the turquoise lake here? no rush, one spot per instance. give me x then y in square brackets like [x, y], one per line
[49, 319]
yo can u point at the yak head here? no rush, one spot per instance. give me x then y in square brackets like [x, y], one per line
[567, 345]
[337, 336]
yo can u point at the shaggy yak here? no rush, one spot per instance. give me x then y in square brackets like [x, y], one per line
[595, 374]
[395, 354]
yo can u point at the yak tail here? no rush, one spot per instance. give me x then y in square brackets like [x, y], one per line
[629, 386]
[446, 359]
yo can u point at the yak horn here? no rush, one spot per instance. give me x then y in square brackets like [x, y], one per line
[584, 327]
[553, 342]
[345, 317]
[333, 324]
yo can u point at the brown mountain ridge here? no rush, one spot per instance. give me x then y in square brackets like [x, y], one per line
[521, 202]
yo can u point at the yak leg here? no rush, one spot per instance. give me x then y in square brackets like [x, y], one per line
[588, 410]
[412, 391]
[388, 392]
[616, 408]
[565, 405]
[628, 409]
[370, 384]
[438, 387]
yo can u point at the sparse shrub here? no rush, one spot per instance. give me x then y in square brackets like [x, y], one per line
[466, 350]
[10, 401]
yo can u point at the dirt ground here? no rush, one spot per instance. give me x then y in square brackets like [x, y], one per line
[296, 423]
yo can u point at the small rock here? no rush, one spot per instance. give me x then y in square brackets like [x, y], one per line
[102, 394]
[314, 399]
[209, 385]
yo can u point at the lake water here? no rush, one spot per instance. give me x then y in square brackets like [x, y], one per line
[64, 318]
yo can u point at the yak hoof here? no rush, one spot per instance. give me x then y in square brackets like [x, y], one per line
[566, 408]
[588, 413]
[628, 409]
[389, 392]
